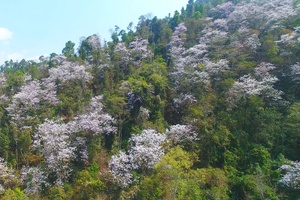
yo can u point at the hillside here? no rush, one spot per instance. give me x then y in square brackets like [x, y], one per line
[204, 104]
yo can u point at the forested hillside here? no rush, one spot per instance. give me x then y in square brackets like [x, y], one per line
[203, 104]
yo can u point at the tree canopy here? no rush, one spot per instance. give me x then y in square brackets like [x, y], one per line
[203, 104]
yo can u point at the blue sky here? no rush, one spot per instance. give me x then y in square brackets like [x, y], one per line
[30, 28]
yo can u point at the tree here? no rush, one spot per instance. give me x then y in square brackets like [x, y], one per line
[90, 48]
[291, 178]
[139, 51]
[35, 179]
[175, 21]
[67, 71]
[95, 121]
[190, 8]
[53, 140]
[16, 194]
[291, 130]
[175, 178]
[261, 85]
[7, 177]
[145, 151]
[180, 134]
[69, 51]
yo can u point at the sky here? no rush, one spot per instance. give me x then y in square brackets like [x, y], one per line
[31, 28]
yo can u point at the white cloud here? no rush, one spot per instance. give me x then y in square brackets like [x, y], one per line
[5, 34]
[15, 56]
[2, 57]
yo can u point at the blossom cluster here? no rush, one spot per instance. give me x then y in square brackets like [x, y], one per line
[31, 96]
[67, 71]
[261, 84]
[6, 175]
[146, 150]
[53, 140]
[181, 133]
[34, 178]
[291, 178]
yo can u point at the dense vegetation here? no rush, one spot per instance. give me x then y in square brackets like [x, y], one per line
[204, 104]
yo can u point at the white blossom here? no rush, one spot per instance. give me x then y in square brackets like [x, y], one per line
[177, 47]
[289, 40]
[139, 50]
[223, 10]
[291, 178]
[6, 175]
[192, 57]
[52, 138]
[2, 80]
[34, 178]
[248, 86]
[262, 71]
[253, 42]
[123, 54]
[184, 100]
[31, 96]
[94, 42]
[95, 120]
[261, 14]
[144, 114]
[214, 68]
[295, 72]
[145, 151]
[121, 168]
[181, 133]
[67, 71]
[201, 78]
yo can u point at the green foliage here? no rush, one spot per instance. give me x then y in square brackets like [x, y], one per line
[88, 184]
[270, 50]
[174, 178]
[238, 149]
[291, 130]
[57, 193]
[73, 98]
[16, 194]
[69, 49]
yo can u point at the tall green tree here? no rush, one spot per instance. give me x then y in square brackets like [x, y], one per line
[69, 50]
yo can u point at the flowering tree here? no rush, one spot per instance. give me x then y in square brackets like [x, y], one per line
[291, 178]
[67, 71]
[192, 66]
[139, 50]
[34, 178]
[95, 119]
[121, 168]
[146, 149]
[7, 176]
[295, 72]
[261, 14]
[90, 48]
[261, 84]
[2, 81]
[122, 55]
[3, 97]
[145, 152]
[32, 95]
[53, 140]
[183, 101]
[177, 47]
[144, 114]
[181, 133]
[289, 39]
